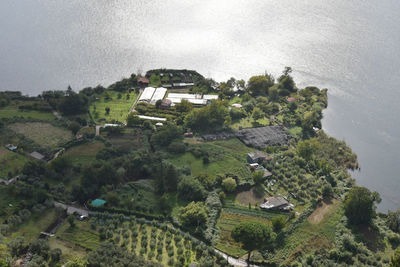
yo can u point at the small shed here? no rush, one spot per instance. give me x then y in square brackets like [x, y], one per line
[36, 155]
[165, 104]
[98, 202]
[257, 157]
[11, 147]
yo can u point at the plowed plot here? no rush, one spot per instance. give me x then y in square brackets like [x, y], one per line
[252, 196]
[44, 134]
[320, 211]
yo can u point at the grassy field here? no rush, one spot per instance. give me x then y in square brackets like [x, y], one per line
[83, 154]
[249, 123]
[44, 134]
[12, 110]
[10, 162]
[69, 250]
[119, 108]
[39, 222]
[227, 156]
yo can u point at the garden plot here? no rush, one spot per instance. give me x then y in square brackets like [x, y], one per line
[44, 134]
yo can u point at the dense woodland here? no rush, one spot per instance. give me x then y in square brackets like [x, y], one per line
[173, 200]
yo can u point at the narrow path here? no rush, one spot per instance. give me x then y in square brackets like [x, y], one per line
[98, 129]
[132, 109]
[7, 182]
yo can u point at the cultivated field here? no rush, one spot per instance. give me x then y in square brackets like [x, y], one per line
[119, 107]
[44, 134]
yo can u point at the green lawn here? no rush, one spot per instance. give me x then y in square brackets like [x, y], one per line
[226, 156]
[83, 154]
[10, 162]
[249, 123]
[119, 108]
[12, 110]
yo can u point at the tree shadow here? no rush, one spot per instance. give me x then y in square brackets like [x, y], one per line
[370, 236]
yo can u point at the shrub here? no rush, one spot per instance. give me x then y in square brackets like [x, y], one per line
[229, 184]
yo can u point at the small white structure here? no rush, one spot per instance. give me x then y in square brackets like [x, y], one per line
[237, 105]
[159, 94]
[182, 84]
[159, 124]
[147, 94]
[36, 155]
[151, 118]
[195, 99]
[210, 97]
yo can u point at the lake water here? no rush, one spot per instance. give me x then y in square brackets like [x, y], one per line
[350, 47]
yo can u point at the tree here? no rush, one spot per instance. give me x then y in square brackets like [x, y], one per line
[278, 223]
[158, 104]
[76, 262]
[253, 235]
[306, 149]
[327, 191]
[229, 184]
[193, 215]
[359, 205]
[107, 110]
[133, 120]
[191, 189]
[17, 246]
[258, 85]
[258, 177]
[71, 221]
[257, 114]
[74, 127]
[210, 117]
[395, 259]
[55, 255]
[393, 221]
[167, 134]
[184, 106]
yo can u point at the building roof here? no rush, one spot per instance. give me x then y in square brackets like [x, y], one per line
[147, 94]
[258, 154]
[151, 118]
[143, 80]
[237, 105]
[36, 155]
[290, 99]
[182, 84]
[166, 102]
[159, 94]
[274, 202]
[210, 97]
[98, 202]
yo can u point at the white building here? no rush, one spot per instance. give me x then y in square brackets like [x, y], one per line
[159, 94]
[147, 94]
[195, 99]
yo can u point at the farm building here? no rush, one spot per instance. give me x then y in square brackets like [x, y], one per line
[276, 203]
[257, 157]
[182, 84]
[147, 94]
[151, 118]
[11, 147]
[36, 155]
[143, 81]
[159, 94]
[195, 99]
[266, 172]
